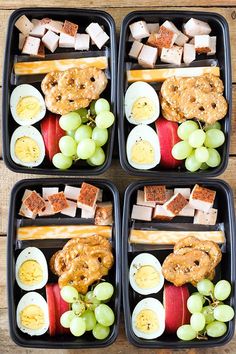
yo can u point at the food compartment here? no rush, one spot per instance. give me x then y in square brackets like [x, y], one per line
[137, 76]
[156, 238]
[31, 70]
[18, 243]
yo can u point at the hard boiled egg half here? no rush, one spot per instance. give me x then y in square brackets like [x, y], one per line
[142, 104]
[27, 105]
[145, 274]
[27, 146]
[148, 318]
[143, 147]
[31, 269]
[32, 314]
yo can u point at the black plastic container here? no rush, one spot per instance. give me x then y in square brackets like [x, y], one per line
[110, 192]
[225, 270]
[82, 17]
[221, 30]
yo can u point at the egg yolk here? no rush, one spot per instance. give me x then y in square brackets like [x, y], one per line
[147, 277]
[28, 107]
[142, 109]
[30, 272]
[147, 321]
[142, 152]
[27, 149]
[32, 317]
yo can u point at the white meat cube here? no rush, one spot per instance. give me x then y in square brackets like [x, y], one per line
[50, 40]
[148, 56]
[88, 214]
[172, 55]
[135, 49]
[101, 39]
[49, 191]
[184, 191]
[24, 25]
[181, 38]
[72, 192]
[141, 201]
[139, 30]
[202, 43]
[196, 27]
[70, 210]
[22, 38]
[31, 45]
[54, 26]
[38, 29]
[24, 211]
[82, 41]
[153, 27]
[189, 53]
[161, 213]
[187, 211]
[140, 212]
[206, 218]
[47, 211]
[212, 46]
[132, 39]
[66, 41]
[94, 29]
[202, 198]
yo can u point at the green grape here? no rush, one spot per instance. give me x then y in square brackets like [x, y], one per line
[214, 138]
[92, 108]
[67, 145]
[78, 307]
[186, 128]
[104, 119]
[194, 304]
[100, 136]
[216, 329]
[83, 132]
[216, 125]
[91, 301]
[207, 311]
[61, 161]
[214, 158]
[201, 297]
[70, 121]
[191, 163]
[104, 315]
[197, 321]
[201, 154]
[224, 313]
[78, 326]
[86, 148]
[100, 331]
[186, 332]
[83, 112]
[204, 166]
[71, 133]
[69, 294]
[222, 290]
[181, 150]
[98, 158]
[90, 319]
[196, 138]
[205, 287]
[66, 318]
[102, 105]
[103, 291]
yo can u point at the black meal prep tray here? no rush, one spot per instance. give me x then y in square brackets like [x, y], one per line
[220, 28]
[49, 247]
[82, 17]
[225, 270]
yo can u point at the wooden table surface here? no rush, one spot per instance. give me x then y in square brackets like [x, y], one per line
[118, 9]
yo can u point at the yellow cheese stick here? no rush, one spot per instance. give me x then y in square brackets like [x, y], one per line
[158, 237]
[159, 75]
[45, 66]
[61, 231]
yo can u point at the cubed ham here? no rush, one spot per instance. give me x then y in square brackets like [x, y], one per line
[212, 46]
[47, 211]
[162, 214]
[148, 56]
[82, 41]
[202, 43]
[38, 30]
[27, 192]
[70, 210]
[165, 38]
[72, 192]
[153, 27]
[34, 202]
[50, 40]
[189, 53]
[54, 26]
[66, 41]
[49, 191]
[184, 191]
[196, 27]
[202, 198]
[70, 28]
[103, 214]
[187, 211]
[88, 214]
[24, 25]
[172, 55]
[141, 201]
[58, 202]
[181, 38]
[22, 38]
[140, 212]
[135, 49]
[31, 45]
[139, 30]
[88, 197]
[206, 217]
[155, 194]
[175, 204]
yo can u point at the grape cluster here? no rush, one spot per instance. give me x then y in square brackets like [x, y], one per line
[86, 134]
[88, 312]
[198, 146]
[208, 320]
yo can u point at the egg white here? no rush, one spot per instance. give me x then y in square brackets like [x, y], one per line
[32, 133]
[143, 132]
[23, 91]
[138, 90]
[145, 259]
[32, 253]
[32, 298]
[155, 305]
